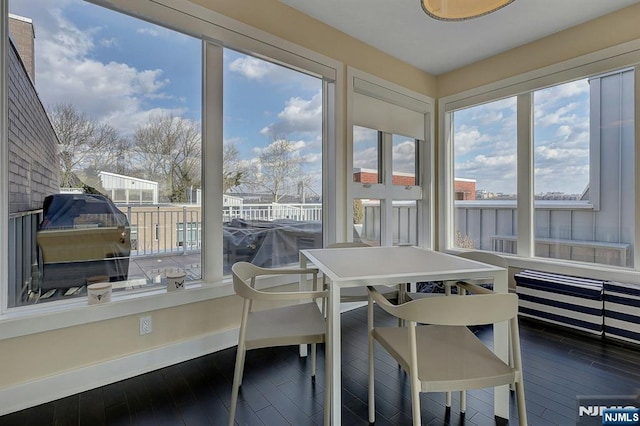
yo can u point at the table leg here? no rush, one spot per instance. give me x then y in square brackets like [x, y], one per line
[501, 348]
[334, 353]
[302, 286]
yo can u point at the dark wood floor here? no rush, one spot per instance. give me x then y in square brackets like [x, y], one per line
[277, 389]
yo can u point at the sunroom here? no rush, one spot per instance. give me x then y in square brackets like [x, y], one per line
[305, 126]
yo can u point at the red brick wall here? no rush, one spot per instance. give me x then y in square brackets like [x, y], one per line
[465, 190]
[370, 177]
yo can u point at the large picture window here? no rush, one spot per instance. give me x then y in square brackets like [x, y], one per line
[111, 141]
[576, 152]
[113, 164]
[583, 181]
[272, 171]
[485, 190]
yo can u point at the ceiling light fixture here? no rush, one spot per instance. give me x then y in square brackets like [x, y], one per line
[460, 10]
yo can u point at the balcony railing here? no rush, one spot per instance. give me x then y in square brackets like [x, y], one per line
[563, 230]
[169, 230]
[161, 231]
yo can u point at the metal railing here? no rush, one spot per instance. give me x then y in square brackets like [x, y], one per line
[23, 271]
[274, 211]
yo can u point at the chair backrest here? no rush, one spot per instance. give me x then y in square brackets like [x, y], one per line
[348, 244]
[244, 274]
[486, 257]
[478, 309]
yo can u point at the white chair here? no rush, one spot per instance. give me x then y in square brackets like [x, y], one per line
[445, 355]
[301, 323]
[485, 257]
[479, 256]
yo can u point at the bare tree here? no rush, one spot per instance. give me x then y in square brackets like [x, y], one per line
[169, 151]
[278, 170]
[233, 170]
[86, 146]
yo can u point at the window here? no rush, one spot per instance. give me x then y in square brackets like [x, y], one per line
[189, 236]
[390, 157]
[484, 159]
[405, 161]
[583, 180]
[272, 161]
[143, 147]
[366, 155]
[108, 114]
[575, 148]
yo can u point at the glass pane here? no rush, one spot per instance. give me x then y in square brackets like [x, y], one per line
[367, 221]
[272, 167]
[104, 119]
[366, 155]
[484, 146]
[405, 223]
[404, 161]
[584, 186]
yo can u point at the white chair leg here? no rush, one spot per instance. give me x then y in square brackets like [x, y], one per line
[415, 401]
[371, 391]
[237, 380]
[313, 360]
[447, 400]
[522, 410]
[463, 401]
[327, 383]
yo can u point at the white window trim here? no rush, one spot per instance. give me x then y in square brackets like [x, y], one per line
[614, 58]
[370, 85]
[4, 153]
[218, 30]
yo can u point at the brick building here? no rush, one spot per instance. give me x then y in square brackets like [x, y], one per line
[371, 176]
[465, 189]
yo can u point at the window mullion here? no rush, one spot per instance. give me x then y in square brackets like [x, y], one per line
[386, 155]
[4, 156]
[525, 203]
[636, 169]
[212, 154]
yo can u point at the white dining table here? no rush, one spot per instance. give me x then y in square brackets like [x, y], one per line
[363, 266]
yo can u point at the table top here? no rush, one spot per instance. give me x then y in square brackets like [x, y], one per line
[357, 266]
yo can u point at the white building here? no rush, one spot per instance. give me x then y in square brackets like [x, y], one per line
[129, 190]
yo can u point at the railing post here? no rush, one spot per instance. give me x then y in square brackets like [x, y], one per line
[184, 230]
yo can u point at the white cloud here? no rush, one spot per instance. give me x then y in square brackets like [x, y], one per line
[252, 68]
[298, 116]
[108, 42]
[468, 139]
[148, 31]
[404, 156]
[68, 71]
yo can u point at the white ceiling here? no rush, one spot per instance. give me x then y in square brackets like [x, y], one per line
[400, 27]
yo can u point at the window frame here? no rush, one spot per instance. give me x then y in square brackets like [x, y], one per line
[625, 55]
[216, 31]
[366, 84]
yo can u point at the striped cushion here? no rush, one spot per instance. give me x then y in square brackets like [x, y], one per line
[561, 299]
[622, 311]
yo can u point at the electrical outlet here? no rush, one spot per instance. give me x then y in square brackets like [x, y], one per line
[146, 326]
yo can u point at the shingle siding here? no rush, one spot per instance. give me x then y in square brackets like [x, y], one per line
[33, 145]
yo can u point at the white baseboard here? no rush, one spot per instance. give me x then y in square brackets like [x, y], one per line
[46, 389]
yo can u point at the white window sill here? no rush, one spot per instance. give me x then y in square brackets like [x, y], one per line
[53, 315]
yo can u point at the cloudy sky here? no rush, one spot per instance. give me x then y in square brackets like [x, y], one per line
[121, 70]
[485, 141]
